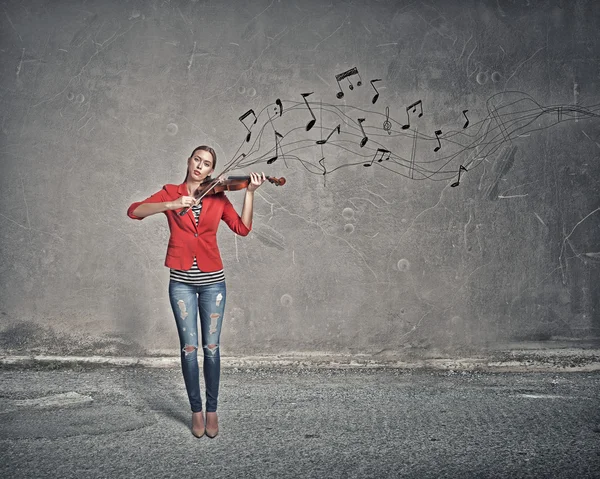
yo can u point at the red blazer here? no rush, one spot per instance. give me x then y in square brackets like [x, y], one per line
[188, 239]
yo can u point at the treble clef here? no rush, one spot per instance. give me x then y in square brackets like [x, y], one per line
[387, 126]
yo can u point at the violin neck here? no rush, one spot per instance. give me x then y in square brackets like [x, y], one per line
[245, 177]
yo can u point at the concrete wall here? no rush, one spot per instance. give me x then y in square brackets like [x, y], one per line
[102, 102]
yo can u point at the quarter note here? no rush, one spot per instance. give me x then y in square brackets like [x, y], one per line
[376, 96]
[311, 123]
[414, 107]
[387, 126]
[243, 117]
[383, 152]
[272, 160]
[462, 168]
[322, 142]
[346, 74]
[363, 142]
[437, 137]
[467, 123]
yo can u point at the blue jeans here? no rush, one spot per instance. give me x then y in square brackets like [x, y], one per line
[186, 301]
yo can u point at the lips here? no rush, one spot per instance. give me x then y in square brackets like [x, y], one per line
[196, 172]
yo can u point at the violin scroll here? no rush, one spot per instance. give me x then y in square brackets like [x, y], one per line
[276, 181]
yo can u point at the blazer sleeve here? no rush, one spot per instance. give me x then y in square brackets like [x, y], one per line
[158, 197]
[233, 220]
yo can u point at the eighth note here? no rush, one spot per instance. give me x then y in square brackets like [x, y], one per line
[414, 107]
[387, 126]
[376, 96]
[437, 137]
[271, 160]
[311, 123]
[346, 74]
[363, 142]
[243, 117]
[383, 152]
[467, 123]
[322, 142]
[462, 168]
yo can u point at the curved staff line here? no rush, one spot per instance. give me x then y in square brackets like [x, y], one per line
[476, 143]
[500, 107]
[493, 142]
[247, 163]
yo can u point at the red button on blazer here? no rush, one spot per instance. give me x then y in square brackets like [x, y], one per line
[188, 239]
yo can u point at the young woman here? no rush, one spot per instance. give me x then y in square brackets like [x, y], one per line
[197, 281]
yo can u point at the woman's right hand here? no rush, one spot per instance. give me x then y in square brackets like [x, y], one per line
[182, 202]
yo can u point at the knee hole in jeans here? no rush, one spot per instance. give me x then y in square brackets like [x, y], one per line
[188, 349]
[212, 348]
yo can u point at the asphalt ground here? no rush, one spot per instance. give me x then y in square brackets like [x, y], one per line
[288, 422]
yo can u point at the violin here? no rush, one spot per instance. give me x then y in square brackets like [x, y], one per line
[232, 183]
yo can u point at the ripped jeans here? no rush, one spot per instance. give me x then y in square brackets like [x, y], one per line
[186, 301]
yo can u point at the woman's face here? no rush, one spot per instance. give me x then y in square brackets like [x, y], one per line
[200, 165]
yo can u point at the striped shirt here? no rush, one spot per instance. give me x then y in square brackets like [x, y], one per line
[194, 275]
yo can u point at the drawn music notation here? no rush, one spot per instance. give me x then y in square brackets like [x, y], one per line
[383, 152]
[376, 96]
[322, 142]
[311, 123]
[322, 163]
[243, 117]
[272, 160]
[462, 168]
[467, 122]
[344, 75]
[437, 137]
[280, 105]
[364, 140]
[387, 126]
[414, 106]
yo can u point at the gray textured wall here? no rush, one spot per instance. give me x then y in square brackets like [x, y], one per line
[102, 102]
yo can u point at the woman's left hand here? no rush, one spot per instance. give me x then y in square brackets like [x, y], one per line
[255, 181]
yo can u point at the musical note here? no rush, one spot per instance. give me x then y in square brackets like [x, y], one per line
[346, 74]
[243, 117]
[271, 160]
[311, 123]
[437, 137]
[363, 142]
[280, 105]
[414, 107]
[467, 123]
[462, 168]
[322, 142]
[323, 165]
[387, 126]
[383, 152]
[376, 96]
